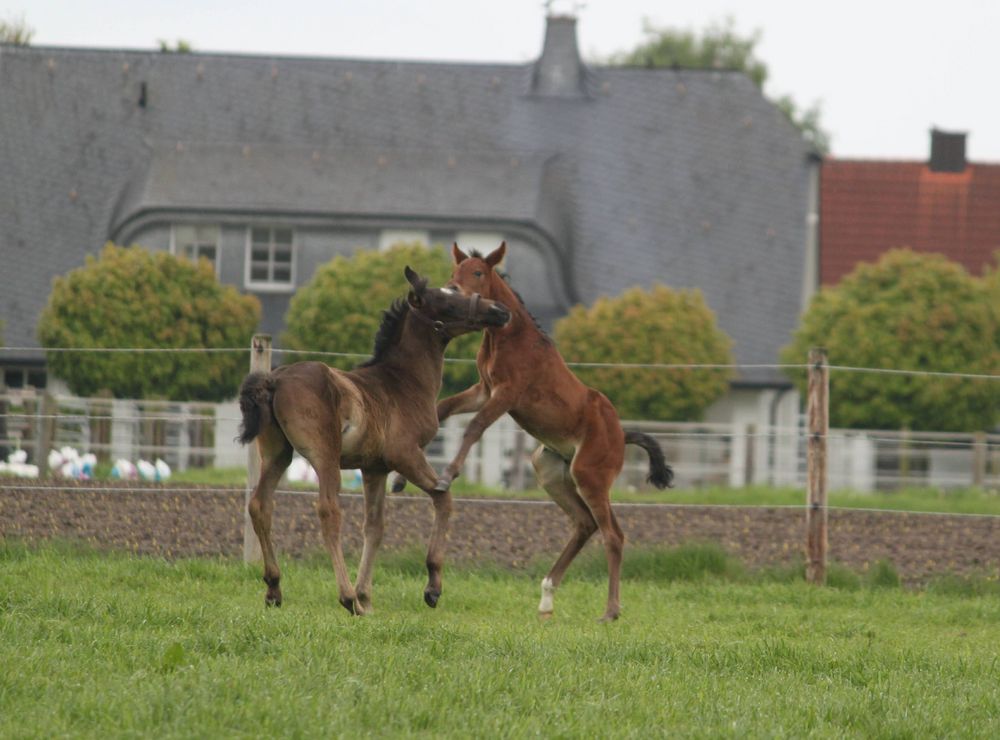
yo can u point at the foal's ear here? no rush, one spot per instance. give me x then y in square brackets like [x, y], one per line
[418, 283]
[457, 254]
[494, 257]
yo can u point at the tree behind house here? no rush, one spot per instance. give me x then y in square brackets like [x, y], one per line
[16, 32]
[719, 46]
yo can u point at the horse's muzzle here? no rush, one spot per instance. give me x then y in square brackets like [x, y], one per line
[498, 315]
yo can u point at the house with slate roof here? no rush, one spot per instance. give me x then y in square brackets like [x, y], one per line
[599, 178]
[946, 205]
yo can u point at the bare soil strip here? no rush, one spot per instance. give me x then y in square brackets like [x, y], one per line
[204, 521]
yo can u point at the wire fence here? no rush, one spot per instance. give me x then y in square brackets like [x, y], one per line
[780, 448]
[733, 454]
[571, 363]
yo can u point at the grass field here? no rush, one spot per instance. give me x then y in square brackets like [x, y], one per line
[952, 501]
[108, 645]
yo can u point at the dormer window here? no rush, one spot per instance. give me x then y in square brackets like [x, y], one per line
[389, 238]
[270, 258]
[196, 242]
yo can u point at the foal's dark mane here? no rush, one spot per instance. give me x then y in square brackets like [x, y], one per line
[506, 278]
[388, 331]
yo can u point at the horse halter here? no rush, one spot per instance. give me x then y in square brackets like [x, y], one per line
[441, 327]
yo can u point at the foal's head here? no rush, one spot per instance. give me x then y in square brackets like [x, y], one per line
[451, 311]
[475, 274]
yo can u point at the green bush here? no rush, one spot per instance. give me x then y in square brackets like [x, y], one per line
[660, 326]
[907, 311]
[341, 308]
[129, 297]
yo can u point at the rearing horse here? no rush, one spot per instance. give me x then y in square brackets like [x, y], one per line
[582, 441]
[377, 417]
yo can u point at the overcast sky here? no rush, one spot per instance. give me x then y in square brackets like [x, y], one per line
[884, 71]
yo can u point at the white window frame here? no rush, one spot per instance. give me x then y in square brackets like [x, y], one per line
[176, 246]
[388, 238]
[270, 285]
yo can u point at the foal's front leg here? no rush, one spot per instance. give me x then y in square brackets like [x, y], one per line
[471, 399]
[498, 404]
[416, 469]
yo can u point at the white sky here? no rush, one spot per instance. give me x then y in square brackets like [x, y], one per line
[885, 71]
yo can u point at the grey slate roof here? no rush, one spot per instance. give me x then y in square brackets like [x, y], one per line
[632, 176]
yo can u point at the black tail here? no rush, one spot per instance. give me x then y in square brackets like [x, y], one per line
[255, 403]
[660, 474]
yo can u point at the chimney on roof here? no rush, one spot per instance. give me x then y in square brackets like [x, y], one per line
[947, 151]
[559, 71]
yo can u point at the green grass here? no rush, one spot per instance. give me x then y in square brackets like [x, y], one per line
[111, 645]
[227, 477]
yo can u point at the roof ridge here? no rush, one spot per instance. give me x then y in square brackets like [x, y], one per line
[258, 56]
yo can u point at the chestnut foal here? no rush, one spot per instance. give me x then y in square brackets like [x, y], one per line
[582, 441]
[377, 417]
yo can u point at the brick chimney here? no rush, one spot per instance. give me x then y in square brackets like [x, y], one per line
[559, 72]
[947, 151]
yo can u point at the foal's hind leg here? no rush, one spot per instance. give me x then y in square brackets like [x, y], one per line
[374, 526]
[275, 454]
[593, 481]
[553, 474]
[312, 427]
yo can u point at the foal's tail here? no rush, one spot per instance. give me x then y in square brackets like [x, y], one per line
[660, 474]
[255, 403]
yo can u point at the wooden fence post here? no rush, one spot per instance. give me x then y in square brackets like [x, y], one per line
[260, 362]
[4, 444]
[750, 456]
[979, 455]
[48, 409]
[819, 425]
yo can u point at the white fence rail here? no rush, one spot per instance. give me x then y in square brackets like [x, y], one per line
[189, 435]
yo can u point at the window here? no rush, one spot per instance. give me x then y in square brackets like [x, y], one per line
[271, 262]
[19, 377]
[197, 242]
[391, 237]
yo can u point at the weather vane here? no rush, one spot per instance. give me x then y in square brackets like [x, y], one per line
[564, 7]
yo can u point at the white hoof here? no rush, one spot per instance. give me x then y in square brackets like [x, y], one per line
[548, 590]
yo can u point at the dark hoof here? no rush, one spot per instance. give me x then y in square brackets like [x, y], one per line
[431, 598]
[353, 606]
[273, 597]
[398, 484]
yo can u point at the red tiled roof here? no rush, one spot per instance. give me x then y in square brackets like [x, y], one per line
[869, 207]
